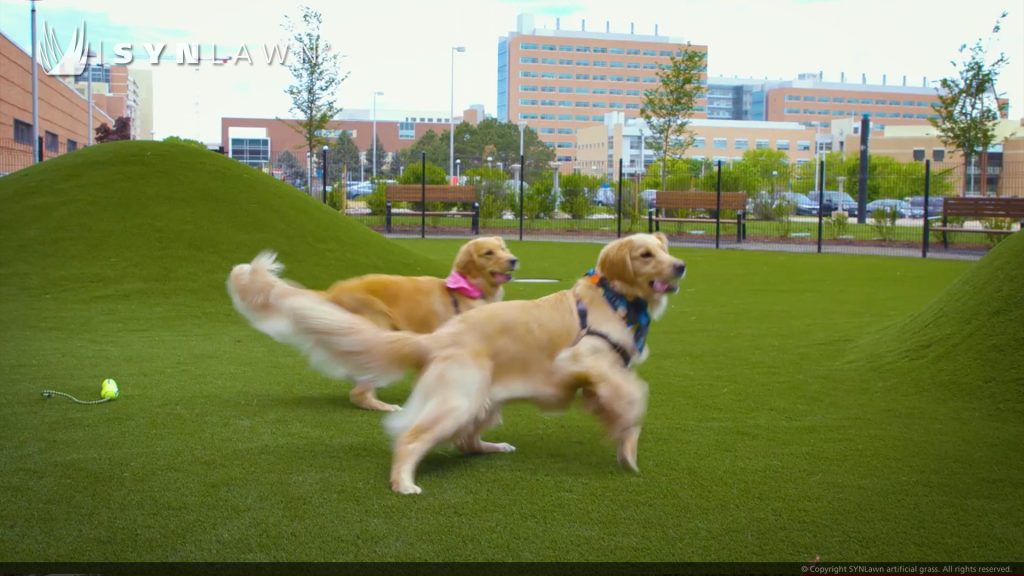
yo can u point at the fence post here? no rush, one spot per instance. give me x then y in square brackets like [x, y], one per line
[41, 154]
[387, 216]
[423, 194]
[618, 227]
[821, 200]
[718, 205]
[925, 239]
[522, 168]
[476, 218]
[650, 220]
[323, 172]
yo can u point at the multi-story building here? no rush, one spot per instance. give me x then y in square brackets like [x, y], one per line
[560, 81]
[599, 148]
[121, 91]
[63, 112]
[259, 141]
[811, 100]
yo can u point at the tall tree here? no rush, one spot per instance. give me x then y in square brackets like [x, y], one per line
[382, 156]
[343, 157]
[969, 105]
[667, 109]
[289, 165]
[316, 78]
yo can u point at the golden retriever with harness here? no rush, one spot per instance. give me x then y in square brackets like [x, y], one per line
[585, 339]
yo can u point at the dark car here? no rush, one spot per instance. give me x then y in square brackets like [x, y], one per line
[834, 201]
[934, 205]
[802, 205]
[903, 209]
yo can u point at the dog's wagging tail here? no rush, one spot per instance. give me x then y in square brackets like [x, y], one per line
[526, 350]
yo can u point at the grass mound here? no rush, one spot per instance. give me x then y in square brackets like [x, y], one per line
[169, 220]
[969, 336]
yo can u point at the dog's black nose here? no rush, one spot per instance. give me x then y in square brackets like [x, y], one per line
[514, 262]
[680, 269]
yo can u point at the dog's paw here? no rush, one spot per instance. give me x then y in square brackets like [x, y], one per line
[403, 488]
[504, 447]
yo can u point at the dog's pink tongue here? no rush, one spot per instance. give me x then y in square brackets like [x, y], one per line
[661, 286]
[502, 278]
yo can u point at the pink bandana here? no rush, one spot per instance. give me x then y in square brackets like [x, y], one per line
[462, 285]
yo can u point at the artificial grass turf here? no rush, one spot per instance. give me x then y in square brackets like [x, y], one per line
[781, 425]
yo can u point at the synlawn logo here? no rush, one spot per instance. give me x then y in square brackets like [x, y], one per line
[72, 60]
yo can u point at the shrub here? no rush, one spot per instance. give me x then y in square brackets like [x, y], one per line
[883, 221]
[996, 224]
[838, 225]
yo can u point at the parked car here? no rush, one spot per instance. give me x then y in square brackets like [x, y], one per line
[802, 205]
[934, 205]
[357, 189]
[605, 196]
[903, 209]
[836, 201]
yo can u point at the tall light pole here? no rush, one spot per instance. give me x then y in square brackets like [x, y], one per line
[88, 89]
[451, 115]
[458, 165]
[35, 90]
[374, 142]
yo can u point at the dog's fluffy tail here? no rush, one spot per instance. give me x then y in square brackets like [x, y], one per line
[338, 343]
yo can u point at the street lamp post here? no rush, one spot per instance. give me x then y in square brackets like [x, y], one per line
[374, 142]
[309, 173]
[88, 89]
[35, 90]
[458, 167]
[324, 175]
[451, 115]
[489, 166]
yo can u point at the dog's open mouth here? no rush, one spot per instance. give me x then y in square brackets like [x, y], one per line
[663, 287]
[501, 277]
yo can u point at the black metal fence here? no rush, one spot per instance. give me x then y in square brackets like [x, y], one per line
[817, 207]
[15, 155]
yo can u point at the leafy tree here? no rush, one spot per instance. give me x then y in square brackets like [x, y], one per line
[315, 77]
[578, 194]
[294, 173]
[186, 141]
[122, 130]
[473, 144]
[968, 105]
[667, 108]
[343, 158]
[414, 174]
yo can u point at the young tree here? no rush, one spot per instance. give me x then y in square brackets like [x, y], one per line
[382, 156]
[968, 104]
[316, 78]
[667, 109]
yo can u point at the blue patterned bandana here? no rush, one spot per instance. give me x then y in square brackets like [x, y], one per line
[635, 311]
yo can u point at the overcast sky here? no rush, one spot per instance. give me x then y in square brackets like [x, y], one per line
[403, 47]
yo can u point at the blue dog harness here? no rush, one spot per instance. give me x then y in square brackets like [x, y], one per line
[634, 311]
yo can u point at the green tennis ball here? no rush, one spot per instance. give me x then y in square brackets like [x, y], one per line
[109, 389]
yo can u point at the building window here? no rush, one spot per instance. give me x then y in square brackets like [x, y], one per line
[741, 144]
[528, 46]
[52, 142]
[72, 145]
[252, 151]
[803, 145]
[720, 143]
[782, 144]
[406, 131]
[698, 142]
[22, 132]
[527, 60]
[761, 144]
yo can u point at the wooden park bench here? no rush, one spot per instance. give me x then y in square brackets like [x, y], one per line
[978, 207]
[670, 200]
[449, 195]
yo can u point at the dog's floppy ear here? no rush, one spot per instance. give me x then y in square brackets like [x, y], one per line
[615, 262]
[662, 238]
[465, 261]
